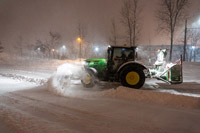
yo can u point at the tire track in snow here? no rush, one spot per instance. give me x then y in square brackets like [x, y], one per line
[34, 110]
[64, 116]
[22, 122]
[25, 78]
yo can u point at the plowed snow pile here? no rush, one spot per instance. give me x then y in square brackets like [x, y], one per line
[153, 97]
[191, 71]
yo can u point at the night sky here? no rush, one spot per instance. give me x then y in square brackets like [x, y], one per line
[33, 19]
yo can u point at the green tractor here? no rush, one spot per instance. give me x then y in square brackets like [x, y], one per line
[121, 66]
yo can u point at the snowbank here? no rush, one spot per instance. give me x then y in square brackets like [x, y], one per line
[153, 97]
[191, 72]
[170, 98]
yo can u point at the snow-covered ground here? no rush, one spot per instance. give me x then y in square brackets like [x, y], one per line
[29, 102]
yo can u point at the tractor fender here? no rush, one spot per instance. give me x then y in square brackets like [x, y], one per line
[93, 70]
[133, 64]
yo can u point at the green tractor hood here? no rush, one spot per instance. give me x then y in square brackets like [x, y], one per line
[96, 59]
[98, 63]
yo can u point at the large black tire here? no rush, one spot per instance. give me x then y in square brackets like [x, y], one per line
[88, 79]
[132, 77]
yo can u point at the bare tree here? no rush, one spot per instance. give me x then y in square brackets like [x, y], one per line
[170, 14]
[42, 48]
[53, 43]
[82, 30]
[130, 16]
[19, 46]
[113, 33]
[82, 34]
[54, 40]
[1, 47]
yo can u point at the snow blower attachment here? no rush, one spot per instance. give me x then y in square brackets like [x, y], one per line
[167, 72]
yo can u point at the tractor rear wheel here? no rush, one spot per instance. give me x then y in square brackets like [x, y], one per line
[133, 78]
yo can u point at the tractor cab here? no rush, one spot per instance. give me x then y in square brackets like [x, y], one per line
[119, 55]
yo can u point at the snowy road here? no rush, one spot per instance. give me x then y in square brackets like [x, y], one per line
[31, 107]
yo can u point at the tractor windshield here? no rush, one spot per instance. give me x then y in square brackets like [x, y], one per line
[122, 55]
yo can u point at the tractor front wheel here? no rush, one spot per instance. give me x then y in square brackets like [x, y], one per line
[133, 78]
[88, 79]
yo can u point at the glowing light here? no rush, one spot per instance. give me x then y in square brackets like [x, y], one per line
[79, 39]
[64, 47]
[53, 50]
[38, 49]
[193, 47]
[198, 21]
[96, 49]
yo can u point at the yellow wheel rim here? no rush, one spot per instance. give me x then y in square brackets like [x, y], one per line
[87, 79]
[132, 78]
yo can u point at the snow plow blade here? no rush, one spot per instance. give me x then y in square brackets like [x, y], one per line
[173, 73]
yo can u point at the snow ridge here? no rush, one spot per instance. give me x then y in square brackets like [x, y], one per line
[25, 78]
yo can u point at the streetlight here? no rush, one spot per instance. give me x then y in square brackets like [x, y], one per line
[80, 43]
[79, 39]
[193, 53]
[96, 50]
[64, 47]
[199, 22]
[193, 47]
[53, 50]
